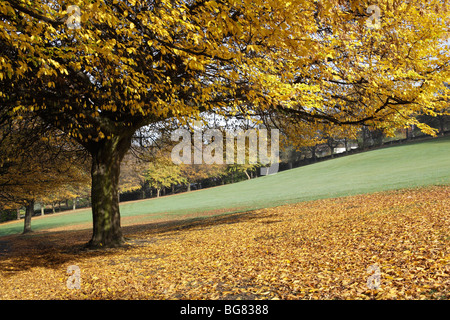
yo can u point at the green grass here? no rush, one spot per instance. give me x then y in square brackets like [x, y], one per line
[406, 166]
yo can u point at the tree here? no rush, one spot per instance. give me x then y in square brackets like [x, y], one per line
[36, 163]
[195, 173]
[104, 69]
[132, 174]
[163, 173]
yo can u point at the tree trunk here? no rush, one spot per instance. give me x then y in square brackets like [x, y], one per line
[441, 125]
[18, 213]
[408, 136]
[106, 158]
[28, 214]
[42, 209]
[74, 204]
[313, 153]
[158, 192]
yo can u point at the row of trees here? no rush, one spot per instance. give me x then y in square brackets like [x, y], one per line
[151, 168]
[161, 174]
[148, 176]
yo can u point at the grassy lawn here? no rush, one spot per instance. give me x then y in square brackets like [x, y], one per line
[406, 166]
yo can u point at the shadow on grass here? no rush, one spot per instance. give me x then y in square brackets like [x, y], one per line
[53, 249]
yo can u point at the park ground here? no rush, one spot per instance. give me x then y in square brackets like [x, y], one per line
[322, 249]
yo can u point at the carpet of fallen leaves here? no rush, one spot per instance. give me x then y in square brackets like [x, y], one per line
[325, 249]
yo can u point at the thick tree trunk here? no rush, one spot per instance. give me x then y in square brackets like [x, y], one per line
[28, 214]
[106, 158]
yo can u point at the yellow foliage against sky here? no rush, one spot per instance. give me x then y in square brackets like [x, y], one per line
[315, 60]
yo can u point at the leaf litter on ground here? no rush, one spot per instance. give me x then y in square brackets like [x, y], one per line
[323, 249]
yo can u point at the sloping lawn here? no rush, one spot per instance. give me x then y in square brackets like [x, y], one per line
[406, 166]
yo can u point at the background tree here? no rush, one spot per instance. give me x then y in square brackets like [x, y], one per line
[163, 173]
[35, 163]
[132, 175]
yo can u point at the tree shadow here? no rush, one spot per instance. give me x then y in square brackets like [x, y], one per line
[52, 249]
[200, 222]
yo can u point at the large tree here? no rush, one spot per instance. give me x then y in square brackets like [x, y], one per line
[105, 68]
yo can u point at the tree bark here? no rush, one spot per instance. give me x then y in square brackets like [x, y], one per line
[441, 125]
[313, 153]
[106, 158]
[28, 214]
